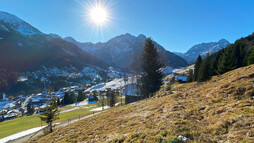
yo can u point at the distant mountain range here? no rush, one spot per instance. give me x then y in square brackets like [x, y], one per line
[202, 49]
[23, 47]
[125, 50]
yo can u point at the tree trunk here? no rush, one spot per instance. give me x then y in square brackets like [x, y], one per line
[50, 127]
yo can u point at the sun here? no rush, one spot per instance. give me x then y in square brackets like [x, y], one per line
[98, 15]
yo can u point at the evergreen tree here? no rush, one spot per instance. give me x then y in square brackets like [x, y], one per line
[112, 99]
[239, 55]
[196, 68]
[80, 97]
[152, 75]
[50, 114]
[68, 98]
[226, 62]
[204, 70]
[29, 109]
[251, 57]
[72, 98]
[190, 76]
[58, 102]
[214, 60]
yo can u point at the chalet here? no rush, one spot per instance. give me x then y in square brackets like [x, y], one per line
[130, 93]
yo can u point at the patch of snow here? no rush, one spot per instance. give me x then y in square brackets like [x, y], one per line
[87, 69]
[114, 75]
[18, 24]
[91, 72]
[182, 137]
[1, 38]
[36, 99]
[80, 103]
[99, 108]
[20, 134]
[70, 109]
[167, 70]
[96, 87]
[22, 78]
[114, 84]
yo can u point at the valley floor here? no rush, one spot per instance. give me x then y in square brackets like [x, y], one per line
[220, 110]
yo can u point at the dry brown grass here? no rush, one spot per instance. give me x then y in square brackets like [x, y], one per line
[220, 110]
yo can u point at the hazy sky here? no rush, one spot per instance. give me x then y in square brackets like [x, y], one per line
[175, 24]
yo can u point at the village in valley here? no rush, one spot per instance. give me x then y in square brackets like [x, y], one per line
[124, 88]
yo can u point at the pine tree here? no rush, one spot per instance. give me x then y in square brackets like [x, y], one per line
[196, 68]
[204, 70]
[226, 62]
[251, 57]
[112, 99]
[58, 102]
[68, 98]
[152, 75]
[50, 114]
[80, 97]
[239, 55]
[214, 60]
[29, 109]
[190, 76]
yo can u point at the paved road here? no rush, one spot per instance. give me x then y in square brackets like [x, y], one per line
[62, 124]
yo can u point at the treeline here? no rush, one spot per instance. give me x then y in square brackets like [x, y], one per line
[237, 55]
[70, 98]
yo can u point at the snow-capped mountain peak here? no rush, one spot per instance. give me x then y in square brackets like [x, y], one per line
[203, 49]
[122, 50]
[9, 22]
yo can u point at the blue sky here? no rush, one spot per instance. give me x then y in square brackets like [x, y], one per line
[175, 24]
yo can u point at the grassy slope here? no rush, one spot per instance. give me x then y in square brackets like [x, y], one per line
[27, 122]
[219, 110]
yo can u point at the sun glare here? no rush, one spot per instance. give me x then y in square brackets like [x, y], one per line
[98, 15]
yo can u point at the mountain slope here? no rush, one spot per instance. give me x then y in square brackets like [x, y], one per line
[125, 50]
[23, 44]
[202, 49]
[220, 110]
[24, 48]
[17, 24]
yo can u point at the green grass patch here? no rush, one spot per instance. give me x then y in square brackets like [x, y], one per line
[27, 122]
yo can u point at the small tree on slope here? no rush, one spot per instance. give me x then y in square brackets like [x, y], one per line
[50, 114]
[152, 75]
[29, 109]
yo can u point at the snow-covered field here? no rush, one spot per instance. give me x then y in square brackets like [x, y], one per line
[80, 103]
[75, 108]
[114, 84]
[20, 134]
